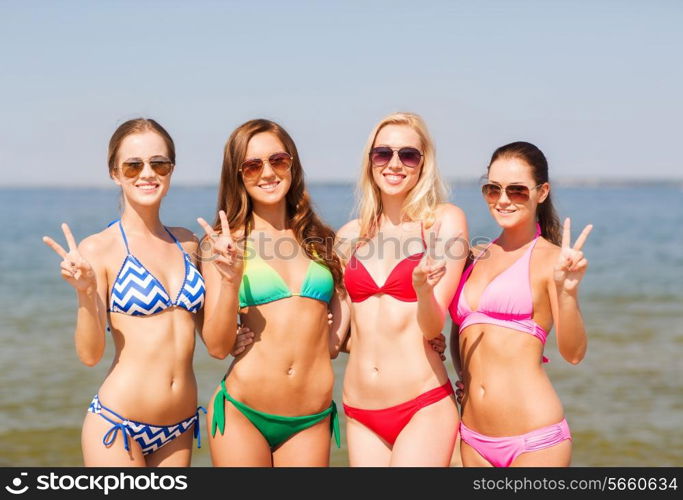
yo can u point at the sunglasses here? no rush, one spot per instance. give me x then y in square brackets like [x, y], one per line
[516, 193]
[279, 162]
[381, 155]
[133, 166]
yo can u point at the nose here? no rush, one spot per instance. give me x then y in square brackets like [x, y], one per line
[267, 171]
[147, 170]
[395, 161]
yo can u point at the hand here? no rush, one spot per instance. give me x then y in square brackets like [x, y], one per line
[226, 255]
[245, 337]
[571, 265]
[459, 391]
[439, 345]
[430, 270]
[75, 269]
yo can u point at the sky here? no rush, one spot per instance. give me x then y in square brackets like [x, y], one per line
[597, 85]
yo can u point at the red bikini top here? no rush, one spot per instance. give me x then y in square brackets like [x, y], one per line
[399, 283]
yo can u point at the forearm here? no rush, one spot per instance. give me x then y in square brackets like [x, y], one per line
[89, 336]
[430, 315]
[219, 328]
[341, 323]
[454, 346]
[571, 334]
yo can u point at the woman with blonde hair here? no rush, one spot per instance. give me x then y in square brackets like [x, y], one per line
[269, 260]
[402, 257]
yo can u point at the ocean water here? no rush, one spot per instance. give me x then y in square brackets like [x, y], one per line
[623, 402]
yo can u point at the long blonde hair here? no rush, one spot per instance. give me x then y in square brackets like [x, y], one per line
[423, 198]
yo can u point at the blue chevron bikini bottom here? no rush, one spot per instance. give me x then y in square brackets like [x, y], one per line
[149, 437]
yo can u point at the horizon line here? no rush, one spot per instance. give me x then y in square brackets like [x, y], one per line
[466, 181]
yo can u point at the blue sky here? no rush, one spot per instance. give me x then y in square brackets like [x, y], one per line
[596, 85]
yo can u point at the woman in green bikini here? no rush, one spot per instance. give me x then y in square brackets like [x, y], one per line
[269, 261]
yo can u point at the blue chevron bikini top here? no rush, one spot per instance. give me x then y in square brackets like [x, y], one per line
[137, 292]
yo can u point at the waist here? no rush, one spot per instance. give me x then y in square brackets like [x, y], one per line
[522, 324]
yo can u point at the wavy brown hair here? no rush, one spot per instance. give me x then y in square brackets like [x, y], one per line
[316, 238]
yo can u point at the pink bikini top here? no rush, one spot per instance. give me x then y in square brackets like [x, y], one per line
[506, 301]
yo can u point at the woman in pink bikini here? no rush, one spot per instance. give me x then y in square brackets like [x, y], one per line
[509, 297]
[400, 279]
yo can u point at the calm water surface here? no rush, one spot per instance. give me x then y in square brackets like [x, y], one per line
[623, 402]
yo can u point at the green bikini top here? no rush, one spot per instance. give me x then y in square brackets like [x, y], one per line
[261, 283]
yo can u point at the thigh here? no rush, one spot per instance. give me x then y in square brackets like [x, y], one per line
[366, 449]
[241, 445]
[456, 458]
[96, 454]
[559, 455]
[175, 453]
[307, 448]
[471, 457]
[429, 437]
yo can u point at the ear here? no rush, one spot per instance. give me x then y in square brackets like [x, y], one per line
[114, 174]
[543, 192]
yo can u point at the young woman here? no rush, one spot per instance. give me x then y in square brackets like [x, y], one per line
[508, 299]
[270, 260]
[403, 257]
[138, 276]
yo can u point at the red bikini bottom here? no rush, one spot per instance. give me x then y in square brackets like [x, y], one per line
[388, 423]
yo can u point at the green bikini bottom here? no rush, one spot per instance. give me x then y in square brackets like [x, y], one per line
[275, 428]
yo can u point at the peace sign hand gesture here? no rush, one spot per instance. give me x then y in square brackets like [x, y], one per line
[75, 269]
[225, 253]
[431, 269]
[571, 265]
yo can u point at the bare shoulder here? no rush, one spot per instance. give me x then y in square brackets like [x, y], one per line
[187, 238]
[97, 247]
[349, 230]
[346, 236]
[546, 254]
[450, 211]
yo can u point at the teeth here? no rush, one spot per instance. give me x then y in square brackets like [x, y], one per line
[147, 187]
[394, 178]
[269, 186]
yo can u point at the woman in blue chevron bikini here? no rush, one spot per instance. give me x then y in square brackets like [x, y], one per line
[139, 277]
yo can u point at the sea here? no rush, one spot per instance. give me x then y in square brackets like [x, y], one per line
[623, 402]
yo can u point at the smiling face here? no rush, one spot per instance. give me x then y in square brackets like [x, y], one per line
[267, 187]
[394, 178]
[512, 171]
[146, 187]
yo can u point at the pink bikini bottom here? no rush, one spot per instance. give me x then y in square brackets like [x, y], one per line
[501, 451]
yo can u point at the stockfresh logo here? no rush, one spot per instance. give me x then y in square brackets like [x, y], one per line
[17, 486]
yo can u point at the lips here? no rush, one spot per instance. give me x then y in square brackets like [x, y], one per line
[505, 212]
[147, 187]
[269, 187]
[394, 178]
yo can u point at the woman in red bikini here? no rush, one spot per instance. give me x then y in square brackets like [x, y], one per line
[508, 299]
[403, 258]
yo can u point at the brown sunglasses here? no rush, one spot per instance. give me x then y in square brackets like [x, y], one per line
[279, 162]
[133, 166]
[516, 193]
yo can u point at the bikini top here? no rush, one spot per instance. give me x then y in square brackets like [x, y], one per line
[138, 292]
[506, 301]
[399, 284]
[261, 283]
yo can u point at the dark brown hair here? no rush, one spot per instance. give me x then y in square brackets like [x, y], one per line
[316, 238]
[534, 157]
[136, 126]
